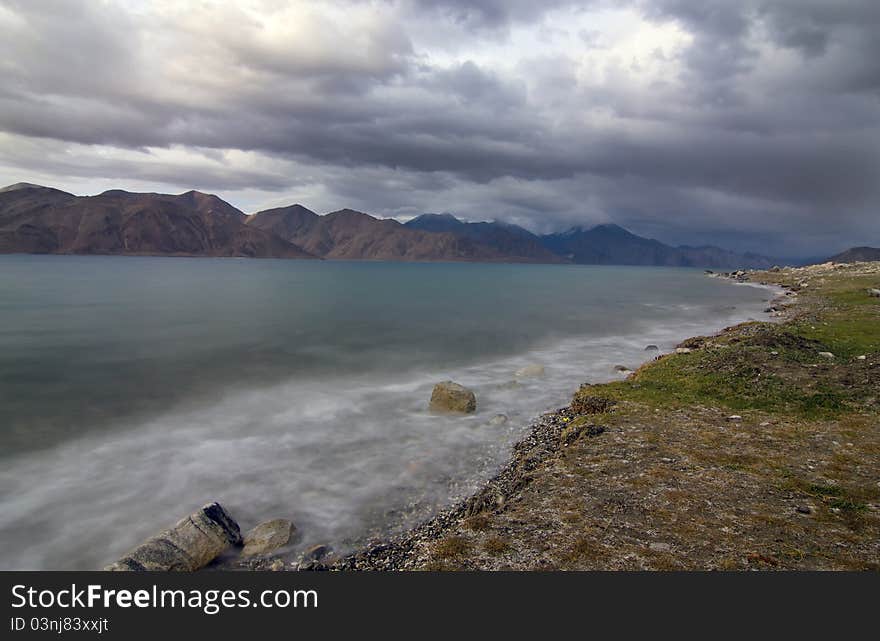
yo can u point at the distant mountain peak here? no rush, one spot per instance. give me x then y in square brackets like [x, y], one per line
[349, 213]
[611, 228]
[22, 185]
[445, 219]
[856, 255]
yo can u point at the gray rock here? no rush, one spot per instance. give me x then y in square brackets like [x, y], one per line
[874, 292]
[621, 368]
[826, 354]
[191, 544]
[452, 397]
[268, 536]
[682, 350]
[530, 371]
[316, 552]
[652, 348]
[498, 419]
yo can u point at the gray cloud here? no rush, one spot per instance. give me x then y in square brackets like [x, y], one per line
[758, 118]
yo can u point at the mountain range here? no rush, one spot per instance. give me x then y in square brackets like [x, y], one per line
[856, 255]
[42, 220]
[37, 219]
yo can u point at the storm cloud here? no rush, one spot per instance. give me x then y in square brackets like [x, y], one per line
[754, 125]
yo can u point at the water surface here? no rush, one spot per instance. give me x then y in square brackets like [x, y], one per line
[133, 390]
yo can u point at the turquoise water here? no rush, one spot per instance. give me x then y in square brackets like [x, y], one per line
[133, 390]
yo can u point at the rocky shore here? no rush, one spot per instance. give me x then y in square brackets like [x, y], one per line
[754, 448]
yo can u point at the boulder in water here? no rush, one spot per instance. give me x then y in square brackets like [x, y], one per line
[652, 348]
[530, 371]
[452, 397]
[268, 536]
[191, 544]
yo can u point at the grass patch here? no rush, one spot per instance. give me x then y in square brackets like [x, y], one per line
[496, 545]
[848, 505]
[825, 491]
[769, 367]
[452, 547]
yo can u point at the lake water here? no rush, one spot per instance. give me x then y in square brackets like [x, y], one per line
[134, 390]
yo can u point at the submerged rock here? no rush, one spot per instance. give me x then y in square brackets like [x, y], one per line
[530, 371]
[498, 419]
[621, 368]
[452, 397]
[191, 544]
[652, 348]
[315, 558]
[268, 536]
[316, 552]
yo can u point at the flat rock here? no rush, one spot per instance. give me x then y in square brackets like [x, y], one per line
[452, 397]
[268, 536]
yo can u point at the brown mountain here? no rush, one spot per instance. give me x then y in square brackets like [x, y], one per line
[353, 235]
[856, 255]
[35, 219]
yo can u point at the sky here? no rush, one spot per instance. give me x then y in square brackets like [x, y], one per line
[751, 124]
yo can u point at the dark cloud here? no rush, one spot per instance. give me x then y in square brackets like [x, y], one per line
[751, 119]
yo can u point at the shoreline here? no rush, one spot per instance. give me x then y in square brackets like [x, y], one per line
[545, 437]
[754, 448]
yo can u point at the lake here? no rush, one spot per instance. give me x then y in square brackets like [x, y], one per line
[133, 390]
